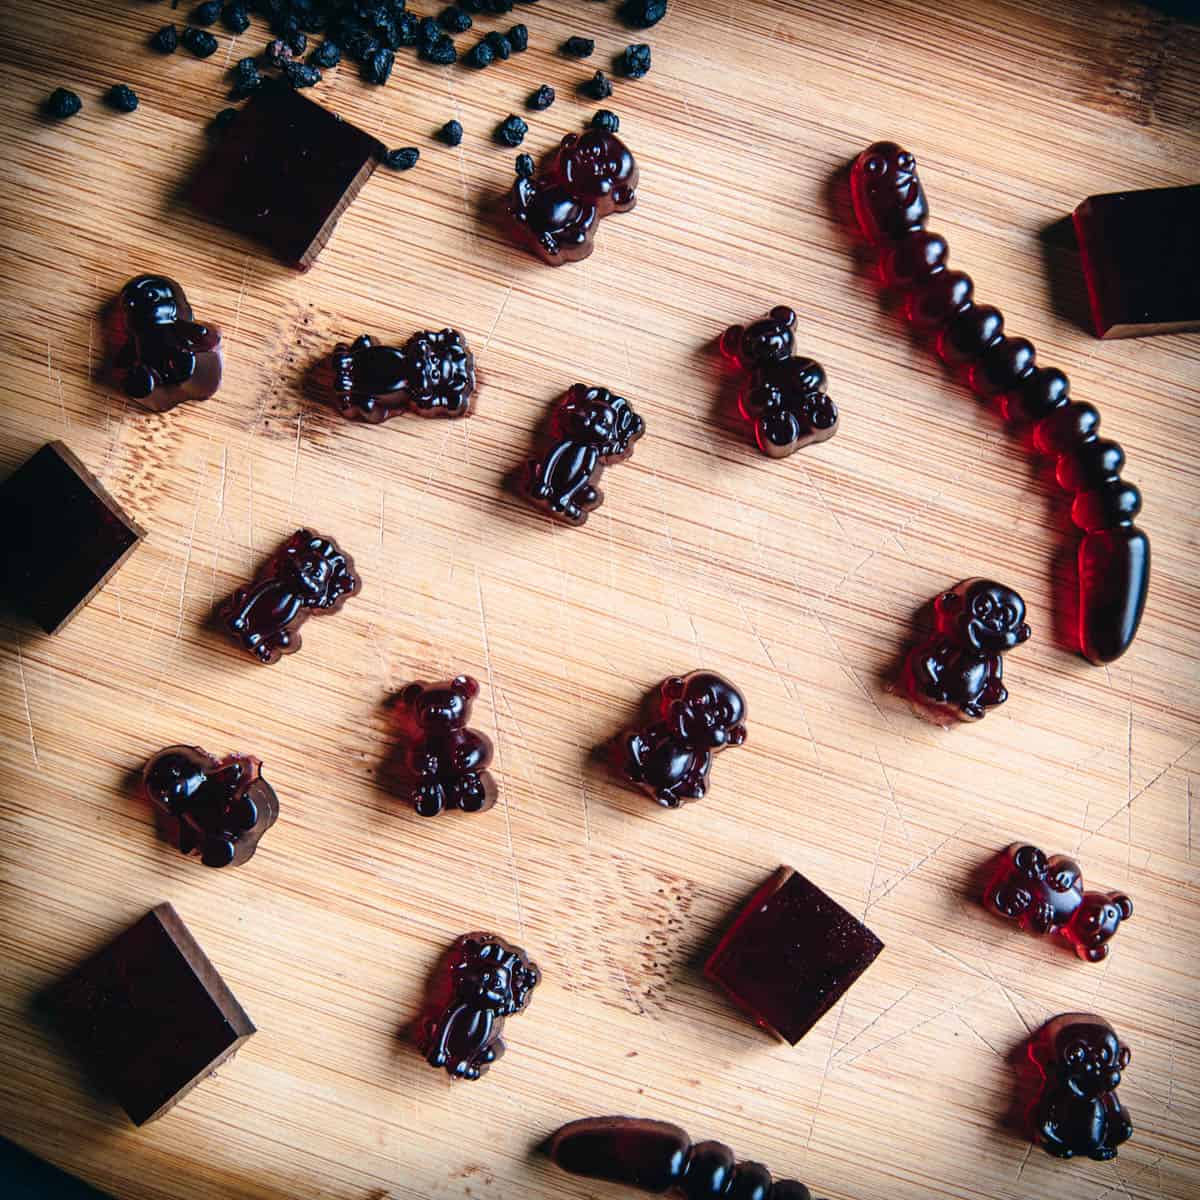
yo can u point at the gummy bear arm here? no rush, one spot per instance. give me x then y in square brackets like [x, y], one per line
[194, 336]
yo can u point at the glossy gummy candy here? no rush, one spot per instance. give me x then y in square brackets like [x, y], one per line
[1079, 1059]
[216, 808]
[480, 980]
[657, 1156]
[589, 429]
[1045, 896]
[1114, 555]
[307, 574]
[555, 212]
[441, 763]
[783, 397]
[689, 718]
[158, 356]
[958, 672]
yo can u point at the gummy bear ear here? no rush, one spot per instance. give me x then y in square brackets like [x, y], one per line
[731, 339]
[411, 694]
[1124, 1057]
[1097, 953]
[1124, 905]
[1023, 633]
[466, 686]
[782, 315]
[674, 687]
[949, 602]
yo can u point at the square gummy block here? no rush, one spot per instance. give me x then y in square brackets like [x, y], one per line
[63, 536]
[790, 955]
[283, 172]
[149, 1015]
[1141, 260]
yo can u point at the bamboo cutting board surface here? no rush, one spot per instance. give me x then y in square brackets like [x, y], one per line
[798, 579]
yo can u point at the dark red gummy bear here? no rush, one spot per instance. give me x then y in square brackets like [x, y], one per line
[432, 375]
[1114, 555]
[783, 398]
[479, 981]
[441, 763]
[555, 212]
[1079, 1060]
[1045, 896]
[307, 574]
[589, 428]
[657, 1156]
[216, 808]
[790, 954]
[158, 356]
[689, 718]
[958, 672]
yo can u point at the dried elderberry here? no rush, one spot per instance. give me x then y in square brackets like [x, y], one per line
[327, 54]
[246, 78]
[641, 14]
[441, 52]
[301, 75]
[121, 98]
[499, 44]
[403, 159]
[518, 38]
[524, 165]
[634, 61]
[377, 66]
[235, 18]
[607, 120]
[454, 20]
[511, 131]
[541, 99]
[206, 13]
[599, 87]
[578, 47]
[451, 133]
[165, 40]
[481, 55]
[63, 103]
[199, 41]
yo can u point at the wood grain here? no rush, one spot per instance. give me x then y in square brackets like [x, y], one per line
[799, 579]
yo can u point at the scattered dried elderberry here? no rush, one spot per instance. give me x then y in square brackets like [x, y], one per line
[246, 78]
[599, 87]
[607, 120]
[578, 47]
[511, 131]
[301, 75]
[481, 55]
[541, 99]
[406, 30]
[429, 30]
[222, 120]
[377, 66]
[62, 103]
[199, 41]
[121, 98]
[277, 53]
[297, 43]
[327, 54]
[235, 18]
[634, 61]
[403, 159]
[518, 38]
[451, 133]
[206, 13]
[441, 51]
[641, 14]
[524, 165]
[454, 20]
[165, 40]
[499, 44]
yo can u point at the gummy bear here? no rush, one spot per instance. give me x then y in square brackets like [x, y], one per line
[657, 1156]
[308, 573]
[433, 375]
[479, 981]
[442, 763]
[589, 428]
[1079, 1059]
[1045, 896]
[782, 398]
[556, 211]
[959, 670]
[1114, 555]
[690, 718]
[159, 356]
[217, 808]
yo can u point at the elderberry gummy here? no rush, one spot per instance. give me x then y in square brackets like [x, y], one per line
[511, 131]
[199, 41]
[541, 99]
[402, 159]
[578, 47]
[634, 61]
[165, 40]
[62, 103]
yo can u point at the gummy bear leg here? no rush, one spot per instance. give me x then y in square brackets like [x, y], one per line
[362, 343]
[468, 793]
[971, 711]
[428, 799]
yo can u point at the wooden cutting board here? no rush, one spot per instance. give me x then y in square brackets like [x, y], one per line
[798, 578]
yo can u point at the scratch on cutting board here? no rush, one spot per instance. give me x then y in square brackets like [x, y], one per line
[853, 674]
[874, 1021]
[963, 1021]
[1189, 818]
[812, 1123]
[915, 867]
[641, 1012]
[250, 514]
[892, 796]
[875, 864]
[1024, 1162]
[499, 314]
[237, 312]
[295, 466]
[37, 762]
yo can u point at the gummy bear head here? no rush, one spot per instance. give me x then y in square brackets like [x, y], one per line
[1097, 920]
[313, 567]
[439, 370]
[442, 706]
[598, 167]
[174, 776]
[766, 341]
[492, 974]
[706, 710]
[888, 198]
[983, 616]
[1089, 1056]
[153, 300]
[597, 416]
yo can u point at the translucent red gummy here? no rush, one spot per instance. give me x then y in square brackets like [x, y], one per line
[307, 574]
[958, 672]
[588, 429]
[1045, 896]
[216, 808]
[1078, 1059]
[1114, 556]
[440, 762]
[783, 397]
[432, 375]
[556, 211]
[158, 356]
[657, 1156]
[790, 954]
[689, 719]
[480, 980]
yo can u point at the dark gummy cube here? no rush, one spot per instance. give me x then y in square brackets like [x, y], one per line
[284, 172]
[1139, 252]
[64, 535]
[790, 955]
[149, 1015]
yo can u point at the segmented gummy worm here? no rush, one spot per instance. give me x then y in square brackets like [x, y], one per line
[1114, 555]
[660, 1157]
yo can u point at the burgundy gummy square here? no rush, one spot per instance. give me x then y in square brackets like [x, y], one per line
[284, 171]
[149, 1015]
[790, 955]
